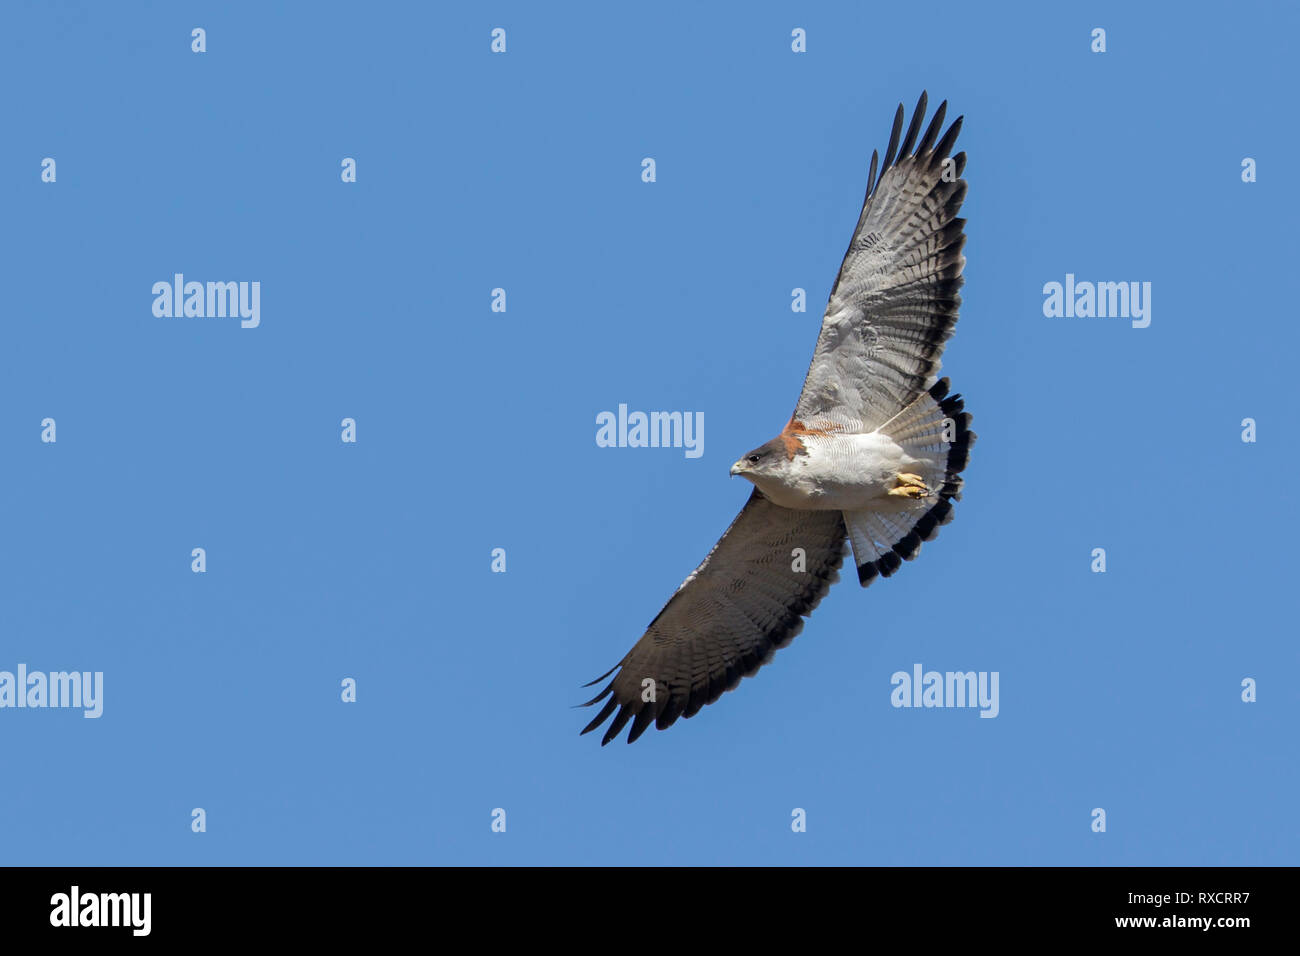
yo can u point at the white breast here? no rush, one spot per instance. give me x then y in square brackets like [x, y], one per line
[840, 472]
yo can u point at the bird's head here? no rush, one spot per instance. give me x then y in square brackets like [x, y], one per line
[763, 462]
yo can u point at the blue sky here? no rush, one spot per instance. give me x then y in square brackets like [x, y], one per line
[476, 430]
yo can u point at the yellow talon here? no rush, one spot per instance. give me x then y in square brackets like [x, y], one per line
[910, 486]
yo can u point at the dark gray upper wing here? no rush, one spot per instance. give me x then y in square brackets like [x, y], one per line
[727, 619]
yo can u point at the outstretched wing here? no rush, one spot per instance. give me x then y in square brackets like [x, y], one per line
[746, 599]
[896, 298]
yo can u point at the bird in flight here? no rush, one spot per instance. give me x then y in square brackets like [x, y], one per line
[873, 452]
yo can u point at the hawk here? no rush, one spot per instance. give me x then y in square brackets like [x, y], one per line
[873, 452]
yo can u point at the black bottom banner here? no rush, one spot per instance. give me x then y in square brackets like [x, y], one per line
[335, 906]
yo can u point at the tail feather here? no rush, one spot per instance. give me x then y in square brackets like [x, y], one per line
[935, 427]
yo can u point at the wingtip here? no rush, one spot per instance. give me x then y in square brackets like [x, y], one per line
[944, 146]
[932, 131]
[592, 702]
[639, 725]
[891, 152]
[601, 717]
[591, 683]
[912, 129]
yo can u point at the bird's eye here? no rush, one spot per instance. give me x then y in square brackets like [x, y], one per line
[753, 459]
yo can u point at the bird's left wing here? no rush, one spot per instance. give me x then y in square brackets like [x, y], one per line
[726, 620]
[896, 298]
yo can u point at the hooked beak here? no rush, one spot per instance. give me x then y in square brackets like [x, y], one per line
[737, 468]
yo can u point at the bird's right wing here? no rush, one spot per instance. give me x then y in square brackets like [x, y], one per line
[745, 600]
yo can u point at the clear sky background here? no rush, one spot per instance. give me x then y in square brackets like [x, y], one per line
[476, 430]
